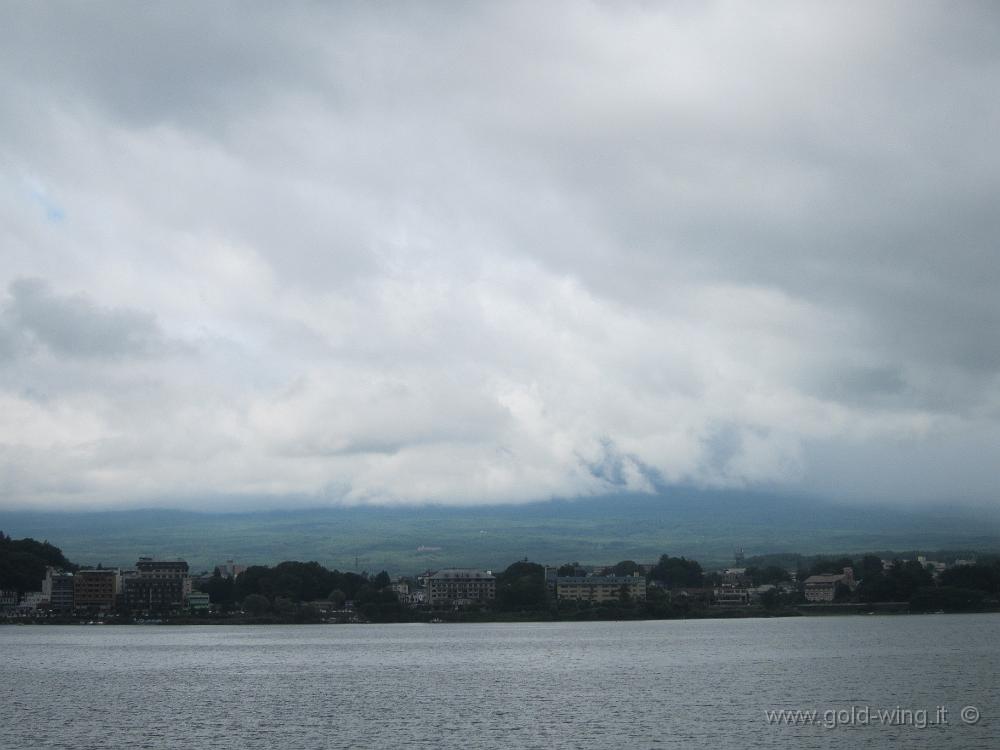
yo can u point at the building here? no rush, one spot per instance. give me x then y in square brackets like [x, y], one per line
[731, 596]
[157, 585]
[57, 589]
[31, 601]
[401, 588]
[230, 569]
[935, 567]
[824, 588]
[95, 589]
[600, 588]
[460, 586]
[198, 602]
[735, 577]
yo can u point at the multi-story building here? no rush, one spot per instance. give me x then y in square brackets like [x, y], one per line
[157, 585]
[824, 588]
[460, 586]
[600, 588]
[95, 589]
[735, 577]
[57, 589]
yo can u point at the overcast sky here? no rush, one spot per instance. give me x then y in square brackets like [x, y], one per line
[499, 252]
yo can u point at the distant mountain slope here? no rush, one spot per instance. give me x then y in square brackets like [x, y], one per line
[705, 525]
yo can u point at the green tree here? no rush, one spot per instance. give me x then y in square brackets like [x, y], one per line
[624, 597]
[221, 591]
[833, 566]
[23, 563]
[770, 574]
[625, 568]
[871, 566]
[256, 604]
[677, 572]
[897, 584]
[522, 587]
[841, 593]
[985, 578]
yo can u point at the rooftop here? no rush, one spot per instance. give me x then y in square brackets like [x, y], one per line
[620, 580]
[461, 573]
[835, 578]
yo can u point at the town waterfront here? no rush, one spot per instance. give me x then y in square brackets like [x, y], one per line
[682, 683]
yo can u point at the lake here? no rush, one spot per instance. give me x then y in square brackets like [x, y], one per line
[658, 684]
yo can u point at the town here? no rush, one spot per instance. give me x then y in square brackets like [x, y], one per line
[167, 590]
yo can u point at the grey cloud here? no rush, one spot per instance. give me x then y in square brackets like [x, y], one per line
[74, 326]
[590, 245]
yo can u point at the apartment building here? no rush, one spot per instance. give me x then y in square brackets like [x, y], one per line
[460, 586]
[157, 585]
[96, 589]
[600, 588]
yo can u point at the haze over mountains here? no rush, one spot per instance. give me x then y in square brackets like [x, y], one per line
[707, 525]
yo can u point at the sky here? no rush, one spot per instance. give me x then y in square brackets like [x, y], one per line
[317, 253]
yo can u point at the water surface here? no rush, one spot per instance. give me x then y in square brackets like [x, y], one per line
[662, 684]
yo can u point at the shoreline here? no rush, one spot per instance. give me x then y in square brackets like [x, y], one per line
[460, 618]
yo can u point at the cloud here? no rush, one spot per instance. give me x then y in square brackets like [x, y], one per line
[73, 326]
[497, 253]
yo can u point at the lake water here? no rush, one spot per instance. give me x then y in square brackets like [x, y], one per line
[683, 684]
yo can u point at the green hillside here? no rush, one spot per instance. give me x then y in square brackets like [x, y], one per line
[708, 526]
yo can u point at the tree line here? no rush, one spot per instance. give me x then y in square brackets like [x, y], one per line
[286, 588]
[23, 563]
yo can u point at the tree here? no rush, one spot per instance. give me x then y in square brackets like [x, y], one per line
[522, 586]
[897, 584]
[626, 568]
[772, 574]
[220, 590]
[23, 563]
[297, 581]
[677, 572]
[624, 597]
[871, 565]
[830, 567]
[381, 580]
[256, 604]
[841, 592]
[985, 578]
